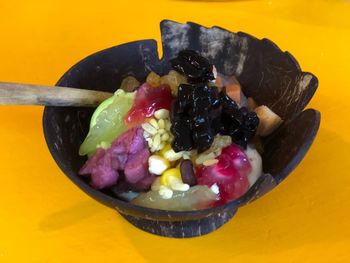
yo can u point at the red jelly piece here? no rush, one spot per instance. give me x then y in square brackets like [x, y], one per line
[148, 100]
[230, 174]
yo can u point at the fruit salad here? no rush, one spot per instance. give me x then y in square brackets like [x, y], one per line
[185, 141]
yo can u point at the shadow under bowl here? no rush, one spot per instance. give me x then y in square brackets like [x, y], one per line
[272, 77]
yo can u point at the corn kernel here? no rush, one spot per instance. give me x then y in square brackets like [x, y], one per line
[171, 137]
[161, 124]
[150, 142]
[161, 114]
[170, 177]
[161, 131]
[168, 125]
[153, 149]
[161, 146]
[166, 148]
[146, 134]
[171, 155]
[210, 162]
[154, 123]
[149, 128]
[156, 141]
[165, 137]
[186, 155]
[157, 164]
[180, 187]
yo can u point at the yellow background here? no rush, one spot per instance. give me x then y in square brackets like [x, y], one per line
[45, 218]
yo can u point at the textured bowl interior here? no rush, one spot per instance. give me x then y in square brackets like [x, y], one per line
[267, 74]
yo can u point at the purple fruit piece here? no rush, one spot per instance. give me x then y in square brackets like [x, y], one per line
[129, 153]
[100, 167]
[136, 167]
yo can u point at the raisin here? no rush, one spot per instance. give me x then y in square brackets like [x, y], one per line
[187, 173]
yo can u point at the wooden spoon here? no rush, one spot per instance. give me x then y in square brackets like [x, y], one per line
[26, 94]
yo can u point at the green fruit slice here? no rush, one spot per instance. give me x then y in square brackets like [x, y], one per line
[107, 122]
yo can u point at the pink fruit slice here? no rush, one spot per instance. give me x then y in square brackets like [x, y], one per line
[229, 174]
[148, 100]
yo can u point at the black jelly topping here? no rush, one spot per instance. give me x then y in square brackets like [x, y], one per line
[195, 67]
[200, 112]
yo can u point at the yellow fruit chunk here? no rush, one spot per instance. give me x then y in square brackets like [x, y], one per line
[170, 154]
[268, 120]
[173, 79]
[153, 79]
[129, 84]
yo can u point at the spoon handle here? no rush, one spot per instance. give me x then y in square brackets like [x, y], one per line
[26, 94]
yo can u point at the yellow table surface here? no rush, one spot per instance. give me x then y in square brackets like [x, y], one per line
[45, 218]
